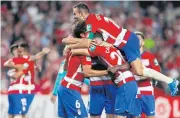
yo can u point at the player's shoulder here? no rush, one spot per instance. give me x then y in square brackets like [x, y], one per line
[94, 17]
[147, 53]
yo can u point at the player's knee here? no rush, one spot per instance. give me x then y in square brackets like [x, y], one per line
[149, 116]
[95, 116]
[136, 117]
[137, 67]
[138, 71]
[110, 115]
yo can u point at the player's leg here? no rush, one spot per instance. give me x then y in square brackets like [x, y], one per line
[28, 98]
[10, 108]
[23, 116]
[116, 116]
[61, 109]
[149, 116]
[125, 102]
[148, 106]
[10, 116]
[73, 103]
[97, 101]
[110, 115]
[132, 53]
[15, 107]
[95, 116]
[136, 117]
[110, 90]
[18, 116]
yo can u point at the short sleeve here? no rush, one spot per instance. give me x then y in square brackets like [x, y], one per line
[86, 60]
[92, 23]
[155, 64]
[96, 51]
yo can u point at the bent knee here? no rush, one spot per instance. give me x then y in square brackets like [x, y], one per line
[137, 67]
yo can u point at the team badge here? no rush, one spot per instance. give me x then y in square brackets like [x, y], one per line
[88, 27]
[156, 62]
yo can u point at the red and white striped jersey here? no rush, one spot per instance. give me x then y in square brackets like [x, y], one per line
[75, 76]
[112, 57]
[112, 33]
[24, 84]
[97, 64]
[145, 86]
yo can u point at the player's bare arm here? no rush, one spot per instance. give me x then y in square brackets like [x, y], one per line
[40, 54]
[83, 51]
[88, 72]
[10, 64]
[17, 75]
[80, 43]
[122, 67]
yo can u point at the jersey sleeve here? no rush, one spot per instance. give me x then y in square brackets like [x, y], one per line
[154, 64]
[95, 51]
[92, 23]
[85, 60]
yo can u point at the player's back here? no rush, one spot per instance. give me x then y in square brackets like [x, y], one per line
[24, 84]
[75, 76]
[112, 33]
[148, 60]
[112, 57]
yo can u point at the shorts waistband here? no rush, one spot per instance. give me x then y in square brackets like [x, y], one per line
[126, 81]
[101, 82]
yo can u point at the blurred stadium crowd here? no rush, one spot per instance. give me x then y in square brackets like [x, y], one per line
[45, 24]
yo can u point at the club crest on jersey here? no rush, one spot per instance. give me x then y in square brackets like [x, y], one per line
[156, 62]
[92, 48]
[88, 58]
[88, 27]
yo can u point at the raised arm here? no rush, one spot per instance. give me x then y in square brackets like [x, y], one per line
[40, 54]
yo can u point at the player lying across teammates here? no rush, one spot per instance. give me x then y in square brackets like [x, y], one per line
[21, 72]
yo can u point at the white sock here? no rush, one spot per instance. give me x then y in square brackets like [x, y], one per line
[148, 72]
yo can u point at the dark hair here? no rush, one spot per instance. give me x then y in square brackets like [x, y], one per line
[80, 27]
[140, 34]
[82, 6]
[21, 42]
[98, 35]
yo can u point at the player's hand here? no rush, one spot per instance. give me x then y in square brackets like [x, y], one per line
[93, 42]
[32, 58]
[38, 67]
[86, 43]
[53, 98]
[106, 44]
[46, 50]
[20, 67]
[112, 70]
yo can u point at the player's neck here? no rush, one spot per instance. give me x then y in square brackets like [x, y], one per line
[86, 15]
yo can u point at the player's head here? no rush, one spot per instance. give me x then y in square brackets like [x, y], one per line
[79, 30]
[141, 38]
[19, 48]
[98, 37]
[80, 12]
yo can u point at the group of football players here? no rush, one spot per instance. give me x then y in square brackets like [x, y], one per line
[119, 70]
[113, 59]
